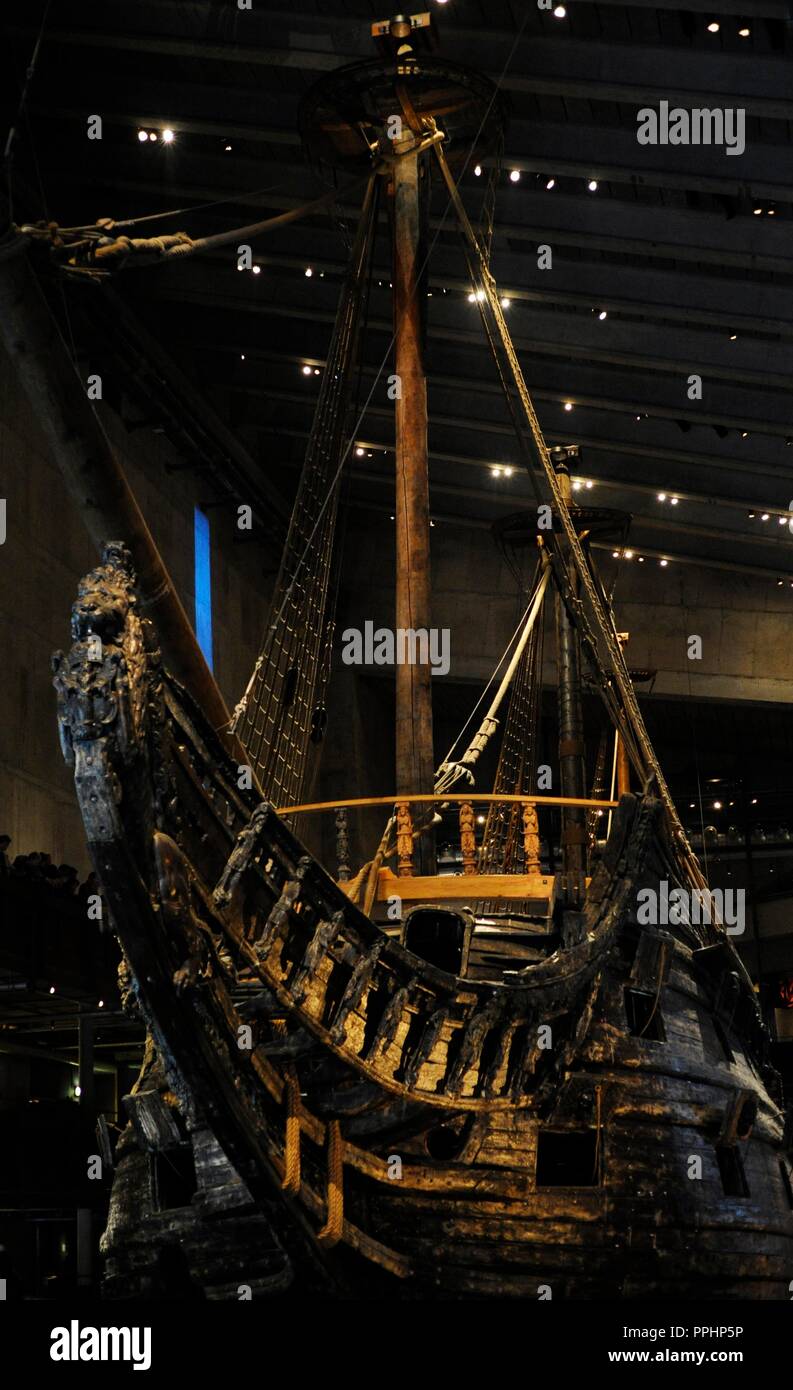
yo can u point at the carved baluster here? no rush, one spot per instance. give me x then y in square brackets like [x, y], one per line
[342, 845]
[531, 839]
[468, 837]
[404, 838]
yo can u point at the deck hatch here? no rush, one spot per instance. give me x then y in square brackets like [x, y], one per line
[644, 1015]
[567, 1158]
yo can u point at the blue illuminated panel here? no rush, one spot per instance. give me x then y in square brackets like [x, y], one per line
[203, 586]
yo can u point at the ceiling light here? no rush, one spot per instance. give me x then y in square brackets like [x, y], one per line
[615, 555]
[662, 497]
[782, 520]
[577, 485]
[628, 554]
[559, 12]
[764, 517]
[309, 272]
[505, 303]
[242, 357]
[227, 148]
[101, 1004]
[316, 371]
[306, 370]
[641, 559]
[78, 1091]
[744, 32]
[52, 989]
[508, 472]
[602, 315]
[733, 336]
[167, 136]
[152, 135]
[664, 563]
[568, 405]
[480, 294]
[551, 183]
[713, 27]
[772, 212]
[472, 299]
[592, 185]
[478, 171]
[757, 211]
[257, 270]
[588, 483]
[515, 175]
[673, 501]
[496, 472]
[142, 135]
[480, 820]
[360, 452]
[744, 434]
[717, 805]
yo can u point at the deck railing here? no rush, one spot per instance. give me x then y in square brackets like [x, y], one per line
[405, 830]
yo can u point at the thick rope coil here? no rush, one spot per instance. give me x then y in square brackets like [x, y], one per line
[331, 1232]
[291, 1178]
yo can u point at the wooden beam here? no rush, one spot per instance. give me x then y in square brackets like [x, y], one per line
[464, 887]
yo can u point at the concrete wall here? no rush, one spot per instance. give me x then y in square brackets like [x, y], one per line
[745, 623]
[45, 553]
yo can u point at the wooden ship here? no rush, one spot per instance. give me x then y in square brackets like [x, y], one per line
[397, 1082]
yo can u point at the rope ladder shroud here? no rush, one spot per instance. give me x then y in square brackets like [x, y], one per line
[276, 714]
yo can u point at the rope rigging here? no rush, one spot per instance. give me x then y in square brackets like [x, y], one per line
[96, 251]
[600, 641]
[279, 717]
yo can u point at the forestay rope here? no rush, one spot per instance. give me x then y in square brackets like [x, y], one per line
[450, 772]
[617, 686]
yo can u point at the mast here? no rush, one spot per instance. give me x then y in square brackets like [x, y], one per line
[571, 730]
[388, 114]
[415, 763]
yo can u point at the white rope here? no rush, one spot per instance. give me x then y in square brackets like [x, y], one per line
[451, 772]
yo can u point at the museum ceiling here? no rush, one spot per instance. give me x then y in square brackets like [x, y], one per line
[668, 260]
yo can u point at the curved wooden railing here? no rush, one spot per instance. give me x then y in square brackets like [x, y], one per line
[405, 831]
[446, 797]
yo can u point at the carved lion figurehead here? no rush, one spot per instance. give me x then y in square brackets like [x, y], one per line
[105, 596]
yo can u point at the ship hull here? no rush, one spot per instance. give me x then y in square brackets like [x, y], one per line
[358, 1123]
